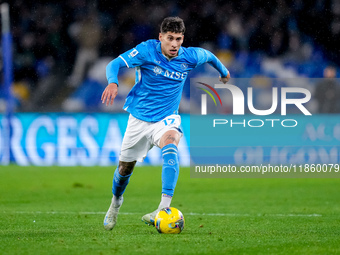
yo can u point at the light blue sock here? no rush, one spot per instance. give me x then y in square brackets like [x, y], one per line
[170, 170]
[119, 183]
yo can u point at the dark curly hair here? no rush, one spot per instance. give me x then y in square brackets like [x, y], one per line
[173, 24]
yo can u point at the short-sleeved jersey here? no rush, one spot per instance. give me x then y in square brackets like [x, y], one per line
[159, 80]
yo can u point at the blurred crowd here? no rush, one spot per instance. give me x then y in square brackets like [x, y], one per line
[60, 48]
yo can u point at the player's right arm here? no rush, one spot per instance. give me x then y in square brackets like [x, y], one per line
[110, 93]
[111, 90]
[132, 58]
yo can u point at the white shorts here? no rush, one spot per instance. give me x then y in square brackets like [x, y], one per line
[140, 136]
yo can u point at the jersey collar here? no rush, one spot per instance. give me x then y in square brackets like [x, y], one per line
[159, 49]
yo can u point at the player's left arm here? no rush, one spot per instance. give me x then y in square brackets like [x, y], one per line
[205, 56]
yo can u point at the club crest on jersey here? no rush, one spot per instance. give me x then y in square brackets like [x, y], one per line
[157, 70]
[133, 53]
[184, 66]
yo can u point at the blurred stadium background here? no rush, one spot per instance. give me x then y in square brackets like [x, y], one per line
[60, 50]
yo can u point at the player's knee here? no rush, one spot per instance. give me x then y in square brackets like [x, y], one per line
[170, 137]
[126, 168]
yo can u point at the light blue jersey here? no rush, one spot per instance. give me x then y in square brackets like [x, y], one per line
[159, 80]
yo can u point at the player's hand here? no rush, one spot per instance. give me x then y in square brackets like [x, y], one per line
[225, 79]
[109, 93]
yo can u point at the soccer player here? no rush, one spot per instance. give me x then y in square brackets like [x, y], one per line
[162, 67]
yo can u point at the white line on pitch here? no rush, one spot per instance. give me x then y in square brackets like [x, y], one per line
[192, 214]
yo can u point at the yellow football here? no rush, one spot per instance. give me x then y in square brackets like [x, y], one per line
[169, 220]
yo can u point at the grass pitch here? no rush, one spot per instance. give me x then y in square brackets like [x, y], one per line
[60, 210]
